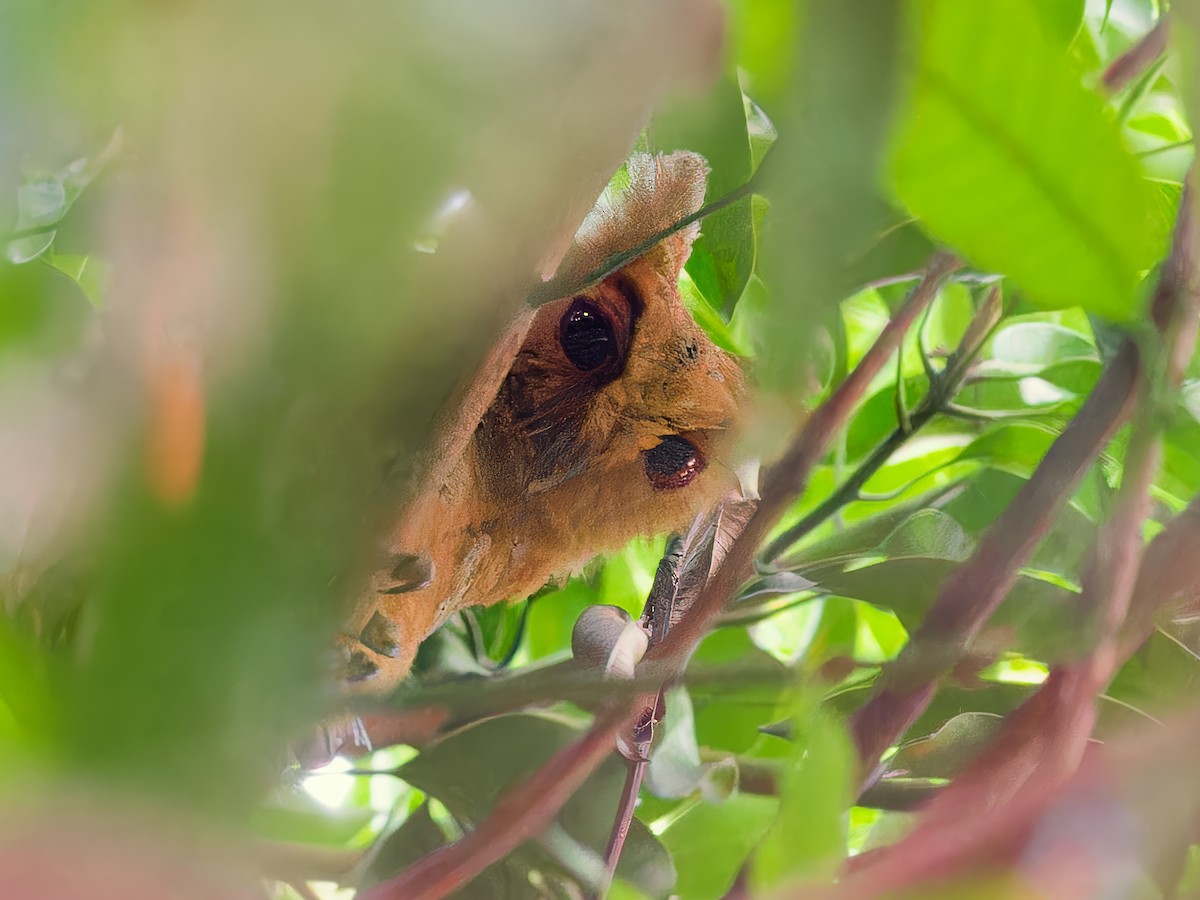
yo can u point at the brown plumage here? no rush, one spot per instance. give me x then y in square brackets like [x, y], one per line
[600, 416]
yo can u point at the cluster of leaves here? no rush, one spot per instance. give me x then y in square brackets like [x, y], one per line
[869, 132]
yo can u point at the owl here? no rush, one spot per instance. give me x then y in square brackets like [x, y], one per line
[597, 417]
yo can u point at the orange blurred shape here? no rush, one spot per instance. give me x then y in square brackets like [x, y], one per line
[175, 433]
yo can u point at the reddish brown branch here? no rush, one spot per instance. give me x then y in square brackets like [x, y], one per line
[1169, 579]
[1137, 59]
[1150, 774]
[971, 594]
[520, 813]
[1043, 742]
[634, 773]
[973, 591]
[787, 478]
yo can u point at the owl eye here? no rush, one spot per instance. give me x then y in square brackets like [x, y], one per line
[673, 463]
[587, 336]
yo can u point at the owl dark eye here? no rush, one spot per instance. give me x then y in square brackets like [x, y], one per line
[586, 335]
[673, 463]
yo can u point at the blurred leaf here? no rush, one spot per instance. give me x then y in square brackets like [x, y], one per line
[728, 719]
[675, 768]
[710, 842]
[765, 39]
[998, 116]
[178, 690]
[1060, 19]
[418, 835]
[44, 201]
[723, 256]
[827, 218]
[808, 837]
[89, 272]
[321, 827]
[947, 751]
[469, 769]
[28, 707]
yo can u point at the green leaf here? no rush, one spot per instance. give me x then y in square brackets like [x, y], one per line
[1004, 155]
[1016, 447]
[944, 753]
[1039, 612]
[675, 768]
[469, 769]
[707, 317]
[1060, 19]
[730, 720]
[43, 202]
[723, 256]
[1026, 348]
[317, 826]
[808, 838]
[91, 273]
[928, 532]
[710, 843]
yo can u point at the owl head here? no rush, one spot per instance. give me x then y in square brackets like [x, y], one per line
[602, 415]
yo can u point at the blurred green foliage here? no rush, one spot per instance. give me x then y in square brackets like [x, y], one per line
[275, 167]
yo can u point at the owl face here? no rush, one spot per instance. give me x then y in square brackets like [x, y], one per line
[616, 417]
[612, 379]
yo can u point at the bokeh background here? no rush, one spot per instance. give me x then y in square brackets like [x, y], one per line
[252, 248]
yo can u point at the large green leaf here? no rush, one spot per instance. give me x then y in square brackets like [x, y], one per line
[1004, 155]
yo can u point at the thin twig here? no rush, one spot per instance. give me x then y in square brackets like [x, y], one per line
[942, 389]
[973, 591]
[1043, 742]
[634, 773]
[1174, 145]
[787, 478]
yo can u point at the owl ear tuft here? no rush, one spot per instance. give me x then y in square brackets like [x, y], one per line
[662, 189]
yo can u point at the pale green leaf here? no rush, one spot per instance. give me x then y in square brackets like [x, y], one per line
[1005, 156]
